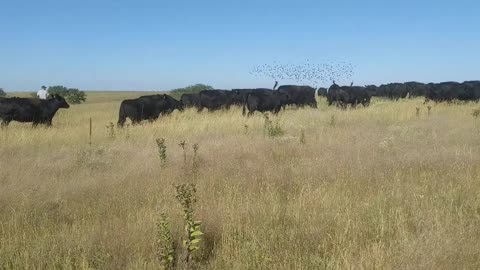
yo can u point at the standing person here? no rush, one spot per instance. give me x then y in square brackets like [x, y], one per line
[42, 93]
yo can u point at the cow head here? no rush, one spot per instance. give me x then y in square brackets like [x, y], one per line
[178, 105]
[60, 101]
[172, 103]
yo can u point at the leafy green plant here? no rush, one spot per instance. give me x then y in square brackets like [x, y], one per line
[272, 129]
[165, 245]
[2, 93]
[185, 194]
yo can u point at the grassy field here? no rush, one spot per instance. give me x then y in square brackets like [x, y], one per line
[373, 188]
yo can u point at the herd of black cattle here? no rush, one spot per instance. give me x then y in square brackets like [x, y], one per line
[260, 99]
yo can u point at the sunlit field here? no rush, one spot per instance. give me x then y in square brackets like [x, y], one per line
[368, 188]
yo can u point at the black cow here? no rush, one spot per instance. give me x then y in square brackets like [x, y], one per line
[215, 99]
[33, 110]
[322, 92]
[190, 100]
[474, 87]
[239, 95]
[371, 90]
[449, 91]
[332, 93]
[345, 95]
[147, 108]
[299, 95]
[264, 100]
[416, 89]
[171, 102]
[392, 91]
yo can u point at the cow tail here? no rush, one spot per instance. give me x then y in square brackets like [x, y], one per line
[121, 116]
[244, 104]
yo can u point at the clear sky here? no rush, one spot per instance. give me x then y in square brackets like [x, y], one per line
[159, 45]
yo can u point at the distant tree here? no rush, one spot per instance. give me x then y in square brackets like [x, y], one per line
[2, 93]
[72, 95]
[58, 90]
[190, 89]
[76, 96]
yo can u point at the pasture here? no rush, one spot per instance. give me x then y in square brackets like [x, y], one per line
[370, 188]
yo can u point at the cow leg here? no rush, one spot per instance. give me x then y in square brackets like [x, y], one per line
[121, 122]
[135, 121]
[5, 122]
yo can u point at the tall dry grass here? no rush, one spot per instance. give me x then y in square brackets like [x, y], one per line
[374, 188]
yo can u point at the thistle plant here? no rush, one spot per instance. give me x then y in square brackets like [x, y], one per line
[195, 163]
[182, 144]
[476, 113]
[111, 130]
[162, 151]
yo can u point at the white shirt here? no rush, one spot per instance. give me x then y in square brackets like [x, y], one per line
[42, 94]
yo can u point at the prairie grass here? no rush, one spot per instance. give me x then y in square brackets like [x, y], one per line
[379, 188]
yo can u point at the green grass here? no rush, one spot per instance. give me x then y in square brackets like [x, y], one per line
[378, 189]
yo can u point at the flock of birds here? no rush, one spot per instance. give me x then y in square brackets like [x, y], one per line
[306, 73]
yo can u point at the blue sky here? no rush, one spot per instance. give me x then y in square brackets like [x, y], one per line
[159, 45]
